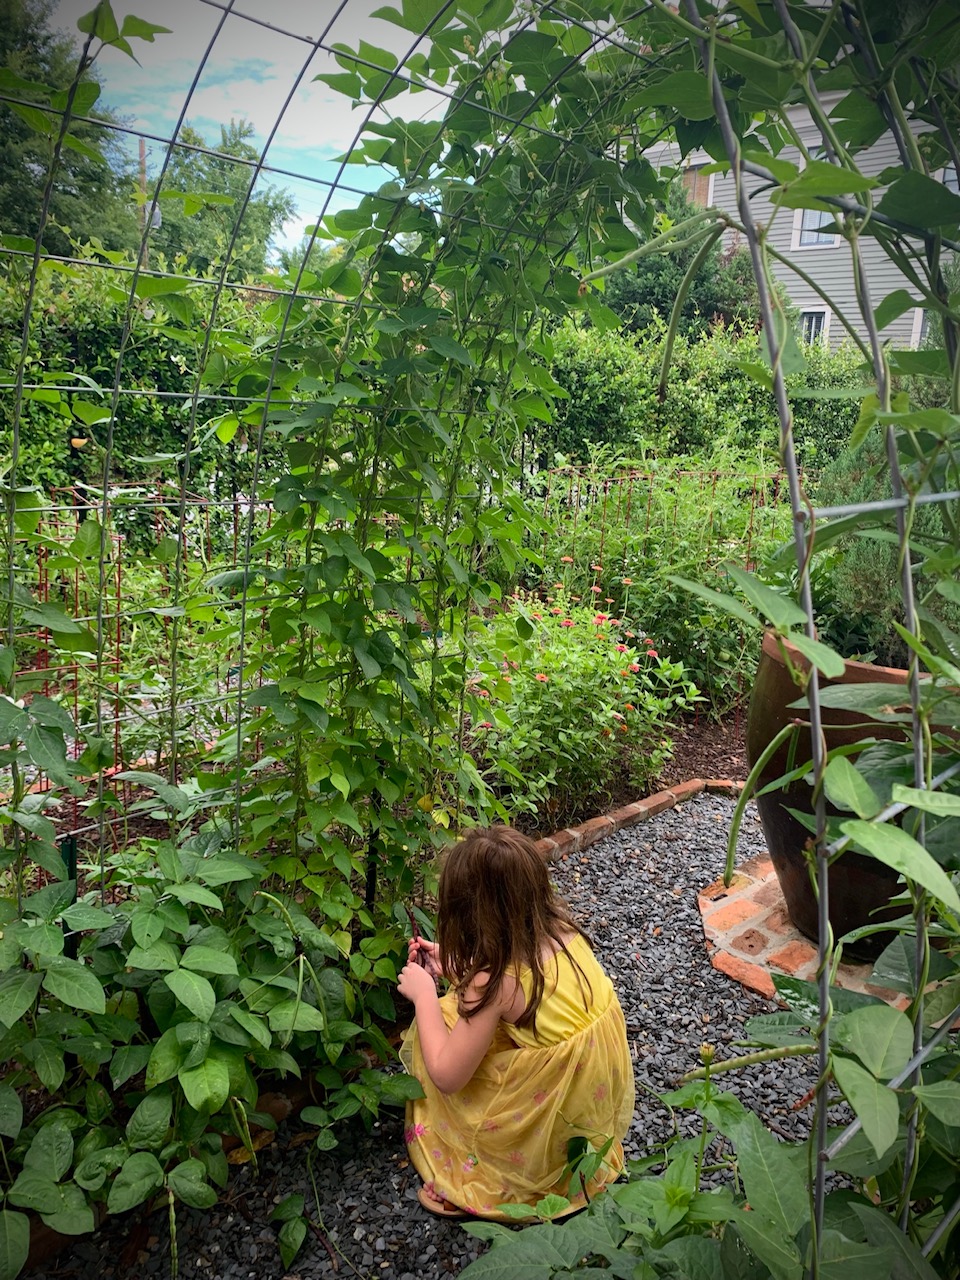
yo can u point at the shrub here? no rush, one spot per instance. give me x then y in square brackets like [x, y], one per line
[568, 704]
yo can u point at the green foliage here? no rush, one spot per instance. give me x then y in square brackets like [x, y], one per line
[202, 197]
[723, 292]
[859, 600]
[92, 189]
[567, 703]
[712, 403]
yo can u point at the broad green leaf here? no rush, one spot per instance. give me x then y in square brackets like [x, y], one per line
[893, 847]
[193, 991]
[820, 655]
[687, 92]
[140, 29]
[848, 789]
[875, 1104]
[907, 1262]
[150, 1123]
[450, 349]
[76, 985]
[139, 1177]
[51, 1151]
[938, 802]
[14, 1243]
[764, 1238]
[843, 1259]
[36, 1190]
[196, 893]
[166, 1058]
[11, 1112]
[881, 1037]
[771, 1181]
[296, 1015]
[209, 960]
[17, 994]
[920, 202]
[774, 605]
[188, 1182]
[290, 1238]
[207, 1086]
[943, 1099]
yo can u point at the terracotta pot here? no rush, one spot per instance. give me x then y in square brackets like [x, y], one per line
[860, 887]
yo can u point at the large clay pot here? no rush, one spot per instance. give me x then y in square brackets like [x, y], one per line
[860, 887]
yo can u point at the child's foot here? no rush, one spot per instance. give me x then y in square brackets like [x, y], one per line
[433, 1202]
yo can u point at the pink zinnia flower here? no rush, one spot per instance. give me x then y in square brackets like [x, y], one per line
[621, 648]
[484, 724]
[652, 653]
[627, 582]
[483, 693]
[541, 677]
[567, 622]
[538, 616]
[634, 666]
[595, 590]
[597, 568]
[566, 559]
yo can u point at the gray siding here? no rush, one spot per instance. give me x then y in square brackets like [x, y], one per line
[830, 267]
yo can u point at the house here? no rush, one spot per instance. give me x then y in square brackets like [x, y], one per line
[809, 237]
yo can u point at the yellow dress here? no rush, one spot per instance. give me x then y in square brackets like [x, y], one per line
[503, 1137]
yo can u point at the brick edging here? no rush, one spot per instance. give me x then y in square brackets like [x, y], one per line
[572, 839]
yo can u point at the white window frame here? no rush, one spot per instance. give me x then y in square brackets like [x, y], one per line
[832, 243]
[916, 333]
[824, 334]
[950, 179]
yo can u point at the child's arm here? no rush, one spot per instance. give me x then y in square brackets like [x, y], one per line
[451, 1057]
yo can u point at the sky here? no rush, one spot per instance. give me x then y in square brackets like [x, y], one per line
[249, 73]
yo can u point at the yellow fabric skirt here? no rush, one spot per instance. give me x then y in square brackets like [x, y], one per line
[503, 1138]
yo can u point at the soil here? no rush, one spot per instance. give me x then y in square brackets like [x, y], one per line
[703, 749]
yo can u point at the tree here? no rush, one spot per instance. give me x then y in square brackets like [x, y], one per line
[92, 186]
[723, 289]
[202, 196]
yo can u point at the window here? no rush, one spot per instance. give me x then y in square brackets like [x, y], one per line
[950, 180]
[813, 326]
[697, 184]
[817, 227]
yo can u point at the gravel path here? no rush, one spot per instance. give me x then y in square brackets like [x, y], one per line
[635, 893]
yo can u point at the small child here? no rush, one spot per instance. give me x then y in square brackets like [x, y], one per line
[529, 1048]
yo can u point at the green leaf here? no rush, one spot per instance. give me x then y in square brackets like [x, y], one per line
[140, 29]
[209, 960]
[51, 1151]
[196, 893]
[207, 1086]
[36, 1190]
[687, 92]
[150, 1123]
[844, 1259]
[18, 991]
[290, 1239]
[188, 1182]
[774, 605]
[920, 202]
[771, 1181]
[875, 1104]
[14, 1243]
[893, 307]
[193, 991]
[894, 848]
[942, 1099]
[848, 789]
[825, 659]
[729, 604]
[880, 1036]
[908, 1263]
[296, 1015]
[76, 985]
[766, 1239]
[139, 1177]
[451, 350]
[166, 1058]
[11, 1112]
[938, 802]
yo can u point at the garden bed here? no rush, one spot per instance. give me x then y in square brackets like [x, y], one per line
[636, 894]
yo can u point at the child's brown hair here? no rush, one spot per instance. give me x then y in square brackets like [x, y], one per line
[497, 912]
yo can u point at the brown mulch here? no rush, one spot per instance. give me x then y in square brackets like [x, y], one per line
[703, 749]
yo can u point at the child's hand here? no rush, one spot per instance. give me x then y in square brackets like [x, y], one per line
[420, 951]
[415, 982]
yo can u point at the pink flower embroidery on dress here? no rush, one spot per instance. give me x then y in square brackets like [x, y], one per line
[437, 1153]
[540, 1097]
[414, 1132]
[518, 1117]
[517, 1158]
[600, 1093]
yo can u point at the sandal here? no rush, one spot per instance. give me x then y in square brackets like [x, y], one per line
[442, 1209]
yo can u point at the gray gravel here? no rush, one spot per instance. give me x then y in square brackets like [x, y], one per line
[635, 893]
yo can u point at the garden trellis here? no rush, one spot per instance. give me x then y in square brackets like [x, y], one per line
[350, 428]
